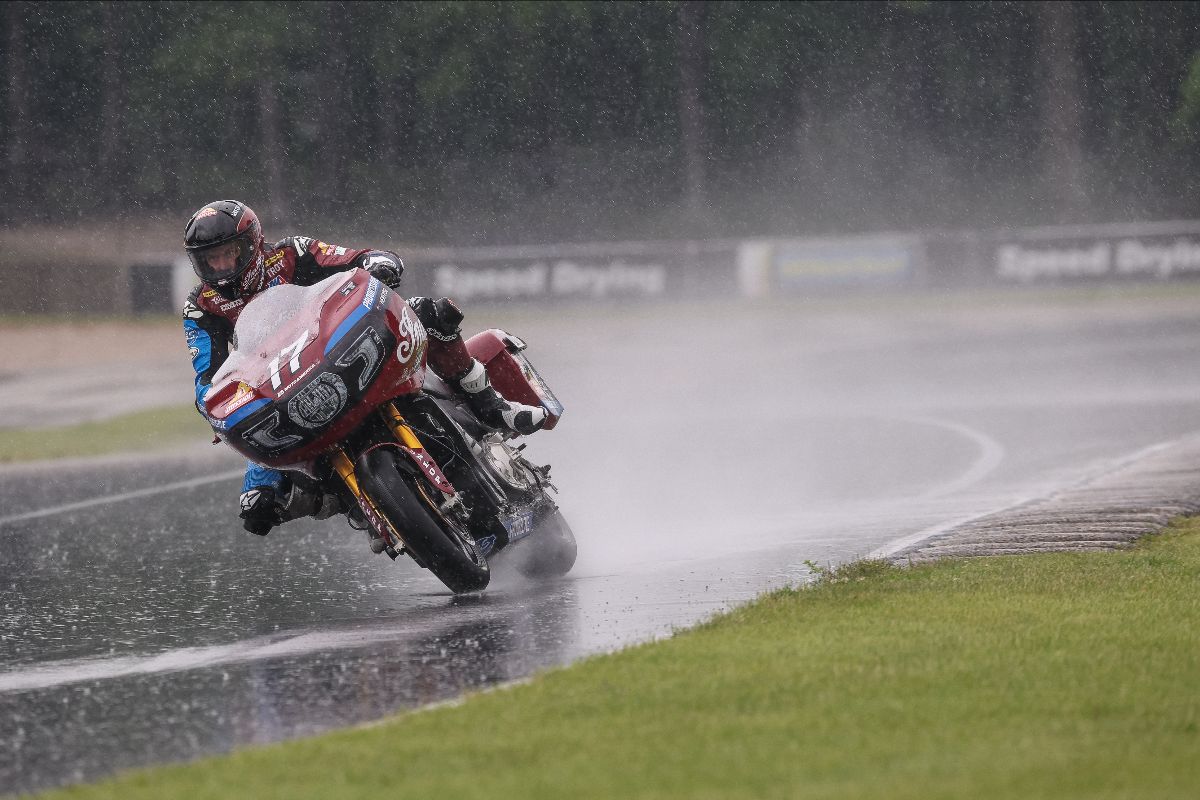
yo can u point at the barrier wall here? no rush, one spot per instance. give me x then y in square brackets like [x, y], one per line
[1160, 251]
[663, 271]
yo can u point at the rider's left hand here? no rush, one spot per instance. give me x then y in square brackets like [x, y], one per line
[384, 267]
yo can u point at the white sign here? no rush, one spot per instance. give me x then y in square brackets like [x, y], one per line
[1127, 258]
[560, 278]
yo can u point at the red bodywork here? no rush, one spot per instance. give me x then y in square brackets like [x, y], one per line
[512, 374]
[333, 353]
[298, 352]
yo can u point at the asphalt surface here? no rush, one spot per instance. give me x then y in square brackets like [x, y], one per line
[708, 453]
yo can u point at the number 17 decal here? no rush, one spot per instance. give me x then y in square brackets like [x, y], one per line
[293, 364]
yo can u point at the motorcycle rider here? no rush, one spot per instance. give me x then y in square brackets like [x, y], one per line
[224, 242]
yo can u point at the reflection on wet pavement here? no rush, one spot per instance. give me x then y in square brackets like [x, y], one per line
[69, 732]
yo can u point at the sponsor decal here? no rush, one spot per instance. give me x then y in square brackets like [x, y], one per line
[318, 402]
[191, 311]
[297, 379]
[209, 293]
[274, 258]
[250, 499]
[412, 336]
[243, 395]
[377, 522]
[231, 304]
[301, 244]
[324, 248]
[486, 544]
[347, 289]
[373, 287]
[193, 351]
[191, 335]
[431, 469]
[276, 281]
[207, 211]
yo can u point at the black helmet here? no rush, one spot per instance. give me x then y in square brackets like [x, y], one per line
[224, 242]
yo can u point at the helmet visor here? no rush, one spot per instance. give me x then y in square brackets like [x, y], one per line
[224, 262]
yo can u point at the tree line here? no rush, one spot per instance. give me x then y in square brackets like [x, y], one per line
[502, 122]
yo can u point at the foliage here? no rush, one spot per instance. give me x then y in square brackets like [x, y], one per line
[505, 121]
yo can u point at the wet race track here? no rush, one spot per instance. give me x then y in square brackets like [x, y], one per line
[706, 454]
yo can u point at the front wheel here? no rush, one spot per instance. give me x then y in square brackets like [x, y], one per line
[437, 542]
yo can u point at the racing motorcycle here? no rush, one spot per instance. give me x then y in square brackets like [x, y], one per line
[329, 384]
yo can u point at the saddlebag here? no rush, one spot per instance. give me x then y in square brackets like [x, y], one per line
[511, 373]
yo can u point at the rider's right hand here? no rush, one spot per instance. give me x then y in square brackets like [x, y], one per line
[261, 511]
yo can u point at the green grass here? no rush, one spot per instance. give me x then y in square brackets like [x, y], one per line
[1060, 675]
[144, 430]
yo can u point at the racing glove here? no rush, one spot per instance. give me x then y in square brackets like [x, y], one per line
[261, 510]
[384, 266]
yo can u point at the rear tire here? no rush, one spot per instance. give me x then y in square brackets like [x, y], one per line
[548, 552]
[436, 542]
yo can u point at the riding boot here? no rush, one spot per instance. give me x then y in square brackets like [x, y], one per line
[491, 407]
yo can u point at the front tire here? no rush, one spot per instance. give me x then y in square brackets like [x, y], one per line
[438, 543]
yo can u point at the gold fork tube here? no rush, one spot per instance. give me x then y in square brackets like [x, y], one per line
[396, 422]
[345, 470]
[343, 467]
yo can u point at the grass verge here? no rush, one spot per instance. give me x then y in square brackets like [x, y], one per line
[1065, 675]
[143, 430]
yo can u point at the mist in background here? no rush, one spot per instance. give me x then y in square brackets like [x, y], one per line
[519, 123]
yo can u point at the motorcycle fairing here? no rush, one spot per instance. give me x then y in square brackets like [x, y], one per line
[369, 347]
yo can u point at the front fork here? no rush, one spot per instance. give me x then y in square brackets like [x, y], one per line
[394, 545]
[412, 446]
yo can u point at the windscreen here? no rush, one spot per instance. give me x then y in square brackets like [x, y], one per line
[269, 313]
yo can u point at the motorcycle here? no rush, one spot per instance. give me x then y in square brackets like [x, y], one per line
[329, 384]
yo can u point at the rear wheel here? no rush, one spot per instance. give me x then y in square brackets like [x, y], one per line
[549, 551]
[437, 542]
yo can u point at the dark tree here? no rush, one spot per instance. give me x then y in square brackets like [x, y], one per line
[690, 44]
[113, 101]
[17, 104]
[1062, 107]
